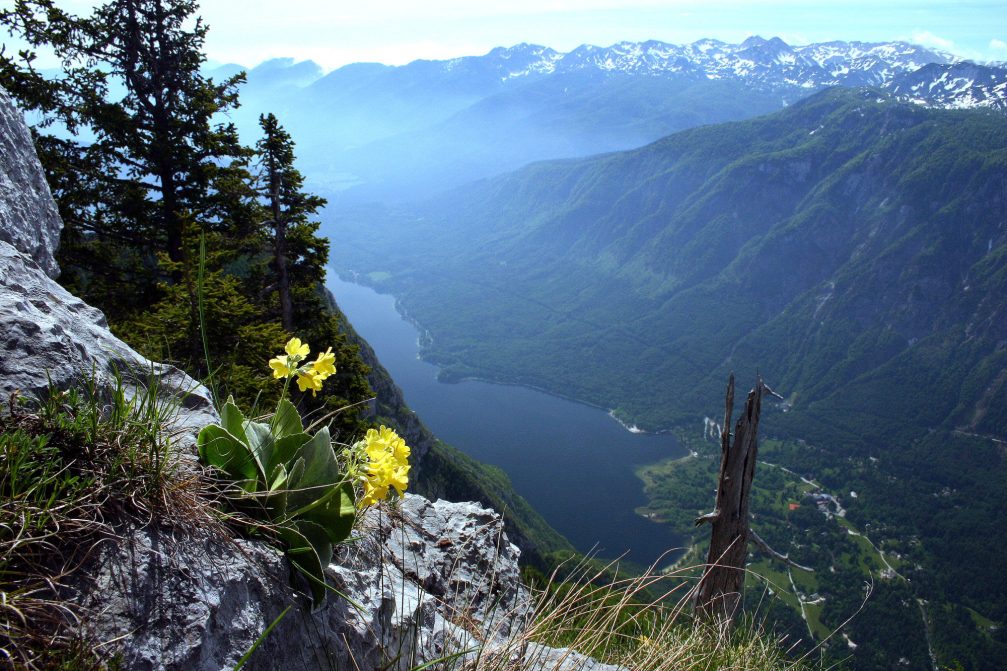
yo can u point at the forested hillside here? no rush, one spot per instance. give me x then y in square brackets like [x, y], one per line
[851, 248]
[813, 232]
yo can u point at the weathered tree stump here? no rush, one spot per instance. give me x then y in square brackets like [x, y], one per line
[720, 591]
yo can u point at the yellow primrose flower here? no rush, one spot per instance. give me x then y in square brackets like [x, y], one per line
[382, 475]
[399, 479]
[372, 492]
[296, 349]
[324, 365]
[385, 440]
[308, 380]
[387, 465]
[280, 366]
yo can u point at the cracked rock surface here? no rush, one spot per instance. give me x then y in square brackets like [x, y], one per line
[28, 217]
[425, 579]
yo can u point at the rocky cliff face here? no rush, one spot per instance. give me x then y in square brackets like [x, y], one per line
[422, 580]
[28, 217]
[49, 335]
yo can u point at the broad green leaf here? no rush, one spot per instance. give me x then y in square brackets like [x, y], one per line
[309, 551]
[220, 449]
[319, 540]
[296, 471]
[276, 501]
[336, 514]
[232, 419]
[320, 469]
[278, 478]
[286, 448]
[286, 421]
[260, 441]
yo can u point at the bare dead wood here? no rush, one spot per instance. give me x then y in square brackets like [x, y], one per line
[719, 594]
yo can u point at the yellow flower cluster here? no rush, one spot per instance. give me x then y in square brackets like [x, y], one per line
[309, 376]
[387, 465]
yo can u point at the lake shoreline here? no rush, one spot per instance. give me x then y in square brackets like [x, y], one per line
[447, 377]
[553, 448]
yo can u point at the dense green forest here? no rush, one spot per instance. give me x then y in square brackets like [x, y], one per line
[851, 248]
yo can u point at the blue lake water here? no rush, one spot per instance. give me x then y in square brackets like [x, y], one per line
[572, 462]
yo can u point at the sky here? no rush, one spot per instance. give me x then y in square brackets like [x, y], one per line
[336, 32]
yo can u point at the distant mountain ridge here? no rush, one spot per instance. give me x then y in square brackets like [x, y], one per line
[369, 131]
[772, 63]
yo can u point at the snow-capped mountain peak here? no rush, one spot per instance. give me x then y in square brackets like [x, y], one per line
[773, 65]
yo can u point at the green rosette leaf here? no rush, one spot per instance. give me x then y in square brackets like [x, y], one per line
[309, 551]
[260, 443]
[224, 451]
[285, 449]
[233, 420]
[321, 471]
[286, 421]
[335, 513]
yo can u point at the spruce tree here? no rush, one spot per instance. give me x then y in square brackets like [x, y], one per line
[289, 208]
[152, 153]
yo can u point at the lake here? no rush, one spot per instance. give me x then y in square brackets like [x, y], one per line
[572, 462]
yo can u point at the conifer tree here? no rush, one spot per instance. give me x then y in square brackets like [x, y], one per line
[146, 174]
[153, 151]
[289, 209]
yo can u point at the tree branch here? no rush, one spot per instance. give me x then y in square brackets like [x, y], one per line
[708, 518]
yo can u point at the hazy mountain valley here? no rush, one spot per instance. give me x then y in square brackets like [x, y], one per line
[851, 244]
[618, 227]
[850, 247]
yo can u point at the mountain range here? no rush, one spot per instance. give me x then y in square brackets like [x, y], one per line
[831, 216]
[371, 131]
[852, 248]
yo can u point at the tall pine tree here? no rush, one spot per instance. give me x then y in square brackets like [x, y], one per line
[289, 208]
[148, 165]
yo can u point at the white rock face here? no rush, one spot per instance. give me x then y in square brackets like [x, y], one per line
[425, 580]
[48, 334]
[28, 217]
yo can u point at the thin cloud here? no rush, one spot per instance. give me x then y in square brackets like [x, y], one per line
[998, 45]
[925, 38]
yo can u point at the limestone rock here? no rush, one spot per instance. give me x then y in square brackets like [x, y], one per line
[543, 658]
[47, 333]
[28, 217]
[425, 580]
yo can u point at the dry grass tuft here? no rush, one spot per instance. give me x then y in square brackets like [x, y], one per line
[76, 466]
[638, 622]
